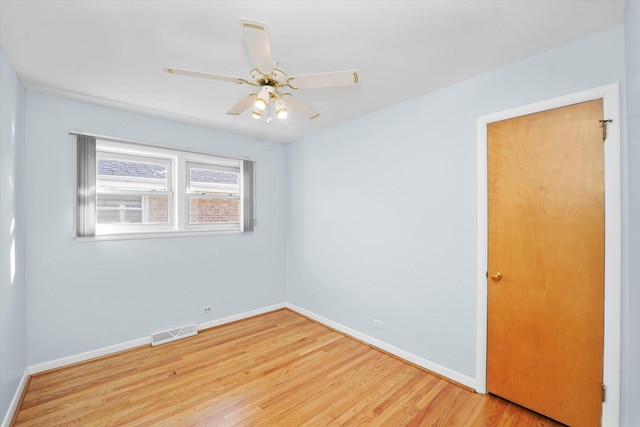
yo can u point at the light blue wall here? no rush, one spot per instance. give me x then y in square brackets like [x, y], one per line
[383, 208]
[13, 320]
[631, 291]
[84, 296]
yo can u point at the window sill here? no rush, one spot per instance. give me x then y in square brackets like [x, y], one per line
[157, 235]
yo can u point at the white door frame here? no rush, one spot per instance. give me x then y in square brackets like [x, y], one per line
[612, 244]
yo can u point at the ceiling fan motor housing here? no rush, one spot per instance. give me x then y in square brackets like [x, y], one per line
[277, 78]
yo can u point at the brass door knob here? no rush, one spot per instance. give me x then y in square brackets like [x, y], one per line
[497, 276]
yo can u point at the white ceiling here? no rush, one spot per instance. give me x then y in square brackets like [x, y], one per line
[112, 52]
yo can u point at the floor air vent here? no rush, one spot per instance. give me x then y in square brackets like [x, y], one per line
[174, 334]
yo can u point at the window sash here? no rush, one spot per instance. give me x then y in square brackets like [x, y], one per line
[144, 226]
[144, 207]
[231, 192]
[167, 163]
[192, 188]
[137, 227]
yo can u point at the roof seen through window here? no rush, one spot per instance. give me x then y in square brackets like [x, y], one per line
[121, 168]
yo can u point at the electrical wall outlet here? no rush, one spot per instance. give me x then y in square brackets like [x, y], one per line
[378, 324]
[207, 309]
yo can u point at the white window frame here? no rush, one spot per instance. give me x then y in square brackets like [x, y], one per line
[177, 161]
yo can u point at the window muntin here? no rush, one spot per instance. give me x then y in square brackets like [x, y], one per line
[213, 195]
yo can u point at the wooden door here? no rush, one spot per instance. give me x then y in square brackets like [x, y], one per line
[546, 239]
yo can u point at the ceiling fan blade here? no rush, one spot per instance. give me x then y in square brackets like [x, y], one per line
[204, 75]
[299, 106]
[242, 105]
[256, 36]
[335, 78]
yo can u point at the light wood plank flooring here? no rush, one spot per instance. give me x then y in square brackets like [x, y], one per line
[277, 369]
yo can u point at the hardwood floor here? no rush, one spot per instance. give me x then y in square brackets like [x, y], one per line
[277, 369]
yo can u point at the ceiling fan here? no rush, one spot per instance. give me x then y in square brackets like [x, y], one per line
[270, 81]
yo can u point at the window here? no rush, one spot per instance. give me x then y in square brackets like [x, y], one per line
[213, 194]
[130, 189]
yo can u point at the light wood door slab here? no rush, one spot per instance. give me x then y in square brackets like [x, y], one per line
[546, 239]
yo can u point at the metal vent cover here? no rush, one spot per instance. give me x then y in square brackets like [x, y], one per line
[162, 337]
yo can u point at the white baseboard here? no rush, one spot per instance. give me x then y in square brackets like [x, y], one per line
[402, 354]
[236, 317]
[83, 357]
[106, 351]
[13, 407]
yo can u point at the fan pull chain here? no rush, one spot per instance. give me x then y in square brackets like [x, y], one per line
[269, 111]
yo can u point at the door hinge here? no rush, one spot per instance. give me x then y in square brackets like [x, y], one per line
[604, 128]
[604, 392]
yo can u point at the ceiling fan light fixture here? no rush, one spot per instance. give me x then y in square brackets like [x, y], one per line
[256, 114]
[281, 108]
[262, 100]
[260, 104]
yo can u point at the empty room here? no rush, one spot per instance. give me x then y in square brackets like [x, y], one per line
[283, 213]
